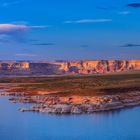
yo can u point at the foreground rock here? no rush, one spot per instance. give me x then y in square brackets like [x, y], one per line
[78, 104]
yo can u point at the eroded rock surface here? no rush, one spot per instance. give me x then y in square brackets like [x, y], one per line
[67, 67]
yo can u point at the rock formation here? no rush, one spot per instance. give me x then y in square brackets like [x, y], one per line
[67, 67]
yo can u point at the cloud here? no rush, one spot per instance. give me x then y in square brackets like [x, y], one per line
[106, 8]
[24, 54]
[133, 5]
[6, 4]
[114, 9]
[130, 45]
[124, 13]
[43, 44]
[13, 28]
[15, 32]
[84, 46]
[88, 21]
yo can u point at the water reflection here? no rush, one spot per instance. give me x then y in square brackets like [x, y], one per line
[122, 124]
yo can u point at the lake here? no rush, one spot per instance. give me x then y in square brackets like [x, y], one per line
[114, 125]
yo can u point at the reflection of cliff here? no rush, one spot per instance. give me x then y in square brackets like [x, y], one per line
[74, 67]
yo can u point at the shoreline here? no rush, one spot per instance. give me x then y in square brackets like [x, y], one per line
[74, 104]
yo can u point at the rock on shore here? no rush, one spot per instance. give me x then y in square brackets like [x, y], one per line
[95, 104]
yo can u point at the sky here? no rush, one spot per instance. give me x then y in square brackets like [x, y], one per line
[69, 29]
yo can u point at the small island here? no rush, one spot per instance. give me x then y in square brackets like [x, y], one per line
[74, 94]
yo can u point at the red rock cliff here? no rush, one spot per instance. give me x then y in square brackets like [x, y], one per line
[70, 67]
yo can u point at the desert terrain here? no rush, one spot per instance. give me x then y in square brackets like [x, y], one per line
[74, 94]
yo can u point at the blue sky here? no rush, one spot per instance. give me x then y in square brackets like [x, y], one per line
[69, 29]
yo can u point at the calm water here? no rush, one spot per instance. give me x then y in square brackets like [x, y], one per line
[118, 125]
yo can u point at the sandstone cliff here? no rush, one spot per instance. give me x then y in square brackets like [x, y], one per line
[68, 67]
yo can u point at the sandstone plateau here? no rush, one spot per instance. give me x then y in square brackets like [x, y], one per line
[67, 67]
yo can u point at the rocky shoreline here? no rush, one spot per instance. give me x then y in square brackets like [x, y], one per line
[74, 104]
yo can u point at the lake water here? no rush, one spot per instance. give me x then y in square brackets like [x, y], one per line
[116, 125]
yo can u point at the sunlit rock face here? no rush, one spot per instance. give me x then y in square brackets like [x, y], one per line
[135, 64]
[99, 66]
[68, 67]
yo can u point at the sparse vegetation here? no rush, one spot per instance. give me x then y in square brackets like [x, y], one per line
[78, 85]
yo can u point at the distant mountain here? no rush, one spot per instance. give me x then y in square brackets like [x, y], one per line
[67, 67]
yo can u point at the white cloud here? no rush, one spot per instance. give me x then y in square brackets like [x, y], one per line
[88, 21]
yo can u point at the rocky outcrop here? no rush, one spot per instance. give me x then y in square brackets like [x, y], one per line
[63, 106]
[67, 67]
[73, 104]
